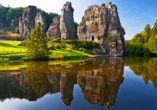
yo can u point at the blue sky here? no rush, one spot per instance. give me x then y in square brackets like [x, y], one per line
[134, 14]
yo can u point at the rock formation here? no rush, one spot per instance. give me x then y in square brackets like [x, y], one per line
[54, 29]
[29, 19]
[101, 24]
[27, 22]
[41, 20]
[14, 25]
[67, 26]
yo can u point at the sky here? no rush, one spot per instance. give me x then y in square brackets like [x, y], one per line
[134, 14]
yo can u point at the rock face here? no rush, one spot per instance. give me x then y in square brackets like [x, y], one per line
[41, 20]
[29, 19]
[14, 25]
[96, 52]
[101, 24]
[54, 29]
[67, 26]
[27, 22]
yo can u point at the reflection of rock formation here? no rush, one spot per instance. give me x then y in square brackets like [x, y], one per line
[67, 82]
[102, 85]
[99, 81]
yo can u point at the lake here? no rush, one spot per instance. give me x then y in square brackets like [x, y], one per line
[94, 84]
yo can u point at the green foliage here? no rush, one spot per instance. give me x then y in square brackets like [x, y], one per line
[146, 33]
[58, 46]
[58, 40]
[12, 13]
[89, 45]
[143, 44]
[63, 44]
[37, 44]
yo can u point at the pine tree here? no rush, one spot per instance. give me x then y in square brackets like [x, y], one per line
[37, 44]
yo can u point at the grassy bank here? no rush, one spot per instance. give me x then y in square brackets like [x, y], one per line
[11, 52]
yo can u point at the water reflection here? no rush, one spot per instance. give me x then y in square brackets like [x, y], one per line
[99, 79]
[144, 67]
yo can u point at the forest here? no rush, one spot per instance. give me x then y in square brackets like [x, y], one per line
[143, 44]
[7, 14]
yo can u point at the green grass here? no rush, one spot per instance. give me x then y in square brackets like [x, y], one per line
[61, 54]
[11, 51]
[11, 47]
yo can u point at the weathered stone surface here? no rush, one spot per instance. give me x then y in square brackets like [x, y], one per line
[14, 25]
[41, 20]
[96, 52]
[29, 19]
[101, 24]
[54, 29]
[27, 22]
[67, 26]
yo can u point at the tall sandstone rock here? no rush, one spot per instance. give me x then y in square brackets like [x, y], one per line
[54, 29]
[102, 24]
[29, 19]
[41, 20]
[67, 26]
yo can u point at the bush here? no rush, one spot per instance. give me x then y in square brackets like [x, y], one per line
[84, 50]
[58, 40]
[58, 46]
[81, 49]
[23, 43]
[63, 44]
[52, 47]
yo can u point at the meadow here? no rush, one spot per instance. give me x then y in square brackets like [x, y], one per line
[11, 51]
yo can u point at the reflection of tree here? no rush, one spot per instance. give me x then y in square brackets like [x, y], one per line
[37, 75]
[101, 85]
[146, 68]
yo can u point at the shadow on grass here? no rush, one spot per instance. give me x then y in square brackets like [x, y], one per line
[8, 45]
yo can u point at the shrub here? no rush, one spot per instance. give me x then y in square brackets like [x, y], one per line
[6, 59]
[52, 47]
[1, 59]
[81, 49]
[58, 40]
[23, 43]
[84, 50]
[58, 46]
[63, 44]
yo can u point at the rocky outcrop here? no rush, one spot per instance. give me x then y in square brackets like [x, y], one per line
[96, 52]
[67, 26]
[29, 19]
[41, 20]
[14, 25]
[101, 24]
[27, 22]
[54, 29]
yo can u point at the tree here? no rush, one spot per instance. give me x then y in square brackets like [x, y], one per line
[37, 45]
[146, 33]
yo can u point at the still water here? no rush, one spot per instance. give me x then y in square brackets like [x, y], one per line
[96, 84]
